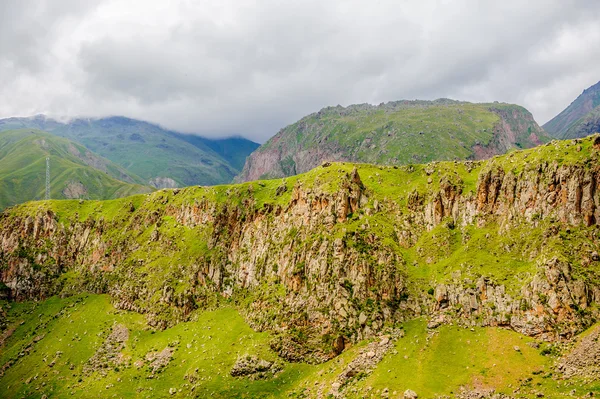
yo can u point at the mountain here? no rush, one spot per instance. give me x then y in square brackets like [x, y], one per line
[234, 150]
[450, 279]
[581, 118]
[75, 171]
[161, 157]
[395, 133]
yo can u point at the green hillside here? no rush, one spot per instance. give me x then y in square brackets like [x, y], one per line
[452, 276]
[395, 133]
[50, 344]
[161, 157]
[581, 118]
[75, 171]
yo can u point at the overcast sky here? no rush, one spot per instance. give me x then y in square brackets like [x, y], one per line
[225, 67]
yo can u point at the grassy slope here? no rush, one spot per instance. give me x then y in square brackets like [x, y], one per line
[23, 169]
[439, 365]
[565, 125]
[397, 133]
[589, 124]
[148, 150]
[77, 326]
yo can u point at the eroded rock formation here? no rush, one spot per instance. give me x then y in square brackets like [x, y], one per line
[327, 261]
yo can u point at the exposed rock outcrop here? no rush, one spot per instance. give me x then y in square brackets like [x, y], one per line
[109, 353]
[324, 262]
[74, 189]
[254, 368]
[584, 359]
[162, 182]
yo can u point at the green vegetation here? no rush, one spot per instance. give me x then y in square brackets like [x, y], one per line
[148, 150]
[581, 118]
[439, 362]
[75, 171]
[50, 345]
[399, 133]
[159, 253]
[204, 350]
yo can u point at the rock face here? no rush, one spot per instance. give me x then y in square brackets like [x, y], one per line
[395, 133]
[339, 255]
[552, 295]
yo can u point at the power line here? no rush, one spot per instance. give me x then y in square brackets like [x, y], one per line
[47, 178]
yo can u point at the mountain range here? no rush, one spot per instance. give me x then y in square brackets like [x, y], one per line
[162, 158]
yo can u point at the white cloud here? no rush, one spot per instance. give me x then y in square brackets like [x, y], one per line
[251, 67]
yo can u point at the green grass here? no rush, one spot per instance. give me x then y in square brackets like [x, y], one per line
[430, 363]
[78, 325]
[440, 362]
[150, 151]
[399, 133]
[23, 169]
[454, 356]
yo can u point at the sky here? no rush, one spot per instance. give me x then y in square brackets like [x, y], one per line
[235, 67]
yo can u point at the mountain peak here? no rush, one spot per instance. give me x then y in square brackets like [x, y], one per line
[581, 118]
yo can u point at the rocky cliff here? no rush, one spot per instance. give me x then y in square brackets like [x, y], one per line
[395, 133]
[337, 254]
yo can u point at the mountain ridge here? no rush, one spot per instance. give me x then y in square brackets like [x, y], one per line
[394, 133]
[75, 171]
[162, 157]
[580, 118]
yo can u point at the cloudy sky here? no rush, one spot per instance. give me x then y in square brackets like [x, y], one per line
[222, 67]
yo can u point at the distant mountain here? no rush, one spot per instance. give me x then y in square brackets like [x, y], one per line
[395, 133]
[233, 149]
[76, 172]
[162, 158]
[581, 118]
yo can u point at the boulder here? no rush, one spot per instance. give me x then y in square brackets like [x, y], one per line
[410, 394]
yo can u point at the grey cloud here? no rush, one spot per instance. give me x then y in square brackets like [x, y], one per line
[250, 68]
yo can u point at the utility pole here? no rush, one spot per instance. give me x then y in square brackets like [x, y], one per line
[47, 178]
